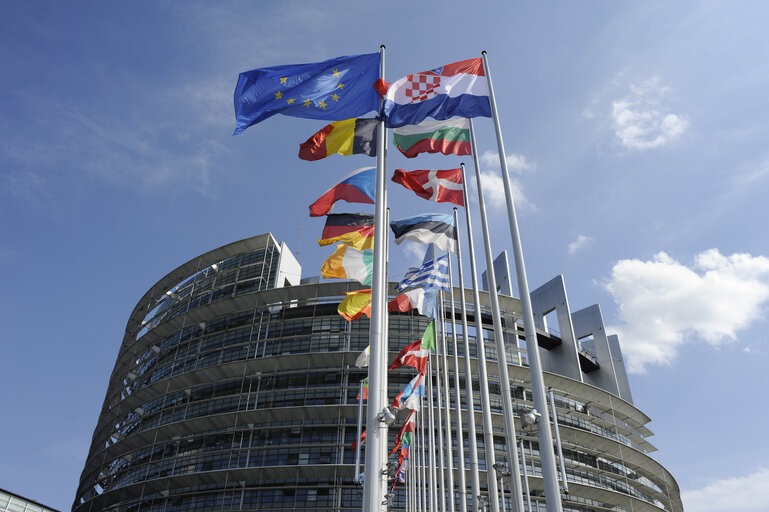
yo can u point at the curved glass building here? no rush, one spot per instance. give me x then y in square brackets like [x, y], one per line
[235, 389]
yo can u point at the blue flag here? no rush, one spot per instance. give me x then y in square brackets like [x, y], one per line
[432, 274]
[333, 90]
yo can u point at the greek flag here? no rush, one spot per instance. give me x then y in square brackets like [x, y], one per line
[432, 274]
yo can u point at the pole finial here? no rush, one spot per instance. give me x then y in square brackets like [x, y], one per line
[381, 47]
[483, 52]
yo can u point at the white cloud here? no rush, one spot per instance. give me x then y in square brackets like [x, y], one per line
[415, 251]
[746, 494]
[663, 303]
[639, 120]
[581, 242]
[493, 185]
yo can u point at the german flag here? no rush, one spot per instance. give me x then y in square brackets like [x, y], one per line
[349, 137]
[353, 229]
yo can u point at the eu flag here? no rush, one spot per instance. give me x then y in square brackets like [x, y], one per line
[333, 90]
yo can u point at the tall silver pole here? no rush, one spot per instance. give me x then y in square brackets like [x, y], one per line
[525, 478]
[516, 494]
[446, 400]
[457, 391]
[375, 481]
[547, 455]
[360, 428]
[562, 465]
[441, 482]
[424, 458]
[483, 378]
[431, 438]
[473, 440]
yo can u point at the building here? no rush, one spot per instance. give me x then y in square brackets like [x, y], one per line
[234, 389]
[12, 502]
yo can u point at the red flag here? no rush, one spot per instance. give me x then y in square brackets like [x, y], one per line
[440, 186]
[406, 301]
[412, 355]
[362, 440]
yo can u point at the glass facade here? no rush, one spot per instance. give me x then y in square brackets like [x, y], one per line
[231, 394]
[10, 502]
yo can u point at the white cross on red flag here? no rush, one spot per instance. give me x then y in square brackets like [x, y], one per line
[441, 186]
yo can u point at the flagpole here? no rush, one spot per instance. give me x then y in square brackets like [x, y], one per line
[446, 401]
[547, 455]
[471, 430]
[457, 391]
[360, 428]
[375, 481]
[488, 435]
[431, 438]
[441, 465]
[424, 455]
[499, 337]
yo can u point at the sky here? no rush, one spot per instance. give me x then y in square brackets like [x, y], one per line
[636, 136]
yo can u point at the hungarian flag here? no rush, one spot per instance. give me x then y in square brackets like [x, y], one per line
[357, 187]
[353, 229]
[349, 263]
[355, 305]
[412, 355]
[450, 137]
[428, 337]
[454, 90]
[411, 299]
[348, 137]
[439, 186]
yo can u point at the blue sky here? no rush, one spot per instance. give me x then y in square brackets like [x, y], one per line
[636, 135]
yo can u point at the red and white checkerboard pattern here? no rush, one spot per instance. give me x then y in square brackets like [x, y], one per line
[422, 87]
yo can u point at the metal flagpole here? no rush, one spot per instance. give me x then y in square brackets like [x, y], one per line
[562, 465]
[441, 482]
[462, 484]
[375, 481]
[499, 337]
[431, 438]
[446, 401]
[488, 434]
[473, 441]
[547, 455]
[360, 428]
[526, 478]
[424, 455]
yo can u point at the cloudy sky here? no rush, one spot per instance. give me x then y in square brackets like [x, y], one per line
[637, 143]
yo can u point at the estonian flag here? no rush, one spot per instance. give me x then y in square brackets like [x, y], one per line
[428, 228]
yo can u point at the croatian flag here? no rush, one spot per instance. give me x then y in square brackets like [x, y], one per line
[454, 90]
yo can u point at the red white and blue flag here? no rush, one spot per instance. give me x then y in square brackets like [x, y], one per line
[357, 187]
[459, 89]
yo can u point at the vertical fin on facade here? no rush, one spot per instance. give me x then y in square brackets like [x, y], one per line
[619, 369]
[564, 358]
[591, 336]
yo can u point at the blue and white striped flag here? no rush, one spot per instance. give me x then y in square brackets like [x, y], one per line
[432, 274]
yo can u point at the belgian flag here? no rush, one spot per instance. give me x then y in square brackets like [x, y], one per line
[349, 137]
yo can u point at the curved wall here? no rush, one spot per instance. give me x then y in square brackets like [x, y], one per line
[231, 394]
